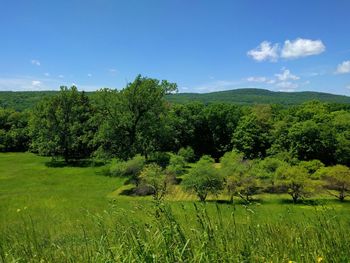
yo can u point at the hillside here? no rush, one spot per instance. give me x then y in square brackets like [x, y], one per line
[25, 100]
[258, 96]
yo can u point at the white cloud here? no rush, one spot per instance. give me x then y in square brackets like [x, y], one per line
[35, 62]
[265, 51]
[302, 48]
[61, 76]
[47, 74]
[89, 75]
[24, 83]
[284, 81]
[343, 67]
[36, 83]
[348, 86]
[216, 86]
[257, 79]
[29, 83]
[286, 75]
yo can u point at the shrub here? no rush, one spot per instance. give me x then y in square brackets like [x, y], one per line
[160, 158]
[130, 168]
[153, 177]
[187, 153]
[204, 179]
[176, 165]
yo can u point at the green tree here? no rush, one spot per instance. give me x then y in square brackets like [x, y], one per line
[296, 181]
[60, 126]
[266, 170]
[154, 177]
[253, 136]
[14, 130]
[176, 165]
[312, 167]
[222, 120]
[337, 181]
[311, 140]
[204, 179]
[187, 153]
[132, 118]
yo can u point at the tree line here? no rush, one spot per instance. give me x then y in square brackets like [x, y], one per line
[138, 120]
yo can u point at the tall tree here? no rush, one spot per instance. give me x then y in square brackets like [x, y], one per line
[61, 125]
[132, 117]
[253, 133]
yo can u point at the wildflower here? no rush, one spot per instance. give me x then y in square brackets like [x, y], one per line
[319, 259]
[18, 210]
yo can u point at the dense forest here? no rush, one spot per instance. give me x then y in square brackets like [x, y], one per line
[139, 120]
[138, 126]
[28, 99]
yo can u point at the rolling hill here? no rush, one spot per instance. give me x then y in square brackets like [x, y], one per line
[258, 96]
[26, 100]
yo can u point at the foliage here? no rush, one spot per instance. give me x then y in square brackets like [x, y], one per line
[160, 158]
[240, 179]
[137, 119]
[266, 170]
[176, 165]
[312, 167]
[203, 179]
[337, 180]
[131, 118]
[131, 167]
[153, 176]
[61, 125]
[296, 180]
[14, 135]
[187, 153]
[252, 136]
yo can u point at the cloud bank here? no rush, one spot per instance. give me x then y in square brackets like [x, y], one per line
[294, 49]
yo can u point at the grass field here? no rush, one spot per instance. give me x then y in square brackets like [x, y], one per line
[76, 214]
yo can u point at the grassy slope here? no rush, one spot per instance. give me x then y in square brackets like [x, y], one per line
[59, 194]
[66, 192]
[57, 200]
[25, 100]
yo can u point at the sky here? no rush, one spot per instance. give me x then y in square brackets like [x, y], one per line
[203, 46]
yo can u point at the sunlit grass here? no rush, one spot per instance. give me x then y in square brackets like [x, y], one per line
[76, 214]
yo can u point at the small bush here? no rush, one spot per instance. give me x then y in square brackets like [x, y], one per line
[187, 153]
[160, 158]
[132, 167]
[176, 165]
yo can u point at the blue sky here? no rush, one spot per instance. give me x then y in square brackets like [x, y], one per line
[203, 46]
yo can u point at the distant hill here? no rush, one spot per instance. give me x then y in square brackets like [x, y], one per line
[258, 96]
[27, 99]
[21, 100]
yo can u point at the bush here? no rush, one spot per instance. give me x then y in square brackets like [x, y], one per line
[204, 179]
[176, 165]
[132, 167]
[187, 153]
[160, 158]
[153, 178]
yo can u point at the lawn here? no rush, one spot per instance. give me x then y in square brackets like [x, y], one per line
[76, 214]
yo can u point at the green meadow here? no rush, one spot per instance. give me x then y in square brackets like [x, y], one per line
[78, 214]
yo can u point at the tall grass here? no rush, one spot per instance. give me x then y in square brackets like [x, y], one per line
[201, 236]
